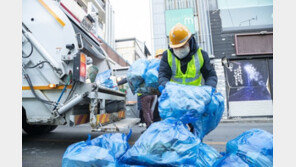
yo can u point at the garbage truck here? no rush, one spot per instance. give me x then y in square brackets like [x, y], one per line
[58, 46]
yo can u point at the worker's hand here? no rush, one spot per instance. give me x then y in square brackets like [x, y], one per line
[214, 89]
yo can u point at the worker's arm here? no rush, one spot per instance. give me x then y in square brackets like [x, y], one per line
[208, 72]
[121, 82]
[165, 72]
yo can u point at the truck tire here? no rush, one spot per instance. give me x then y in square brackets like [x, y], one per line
[35, 129]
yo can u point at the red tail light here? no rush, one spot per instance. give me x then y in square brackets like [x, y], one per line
[82, 71]
[79, 67]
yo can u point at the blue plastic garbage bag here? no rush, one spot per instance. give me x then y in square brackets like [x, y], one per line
[211, 116]
[86, 155]
[199, 105]
[151, 76]
[254, 146]
[126, 165]
[109, 84]
[150, 85]
[230, 160]
[135, 75]
[207, 155]
[101, 151]
[169, 143]
[103, 79]
[183, 102]
[103, 76]
[116, 142]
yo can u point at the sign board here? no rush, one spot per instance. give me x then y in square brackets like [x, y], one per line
[248, 88]
[248, 80]
[254, 43]
[183, 16]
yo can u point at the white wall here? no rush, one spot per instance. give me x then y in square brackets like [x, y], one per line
[127, 50]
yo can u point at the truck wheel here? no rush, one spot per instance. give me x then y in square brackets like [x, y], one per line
[35, 129]
[38, 129]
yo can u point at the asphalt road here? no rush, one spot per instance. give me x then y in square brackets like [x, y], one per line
[47, 150]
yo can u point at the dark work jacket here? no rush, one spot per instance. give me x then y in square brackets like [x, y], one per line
[208, 72]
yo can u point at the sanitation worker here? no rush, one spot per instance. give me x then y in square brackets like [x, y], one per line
[158, 53]
[148, 114]
[185, 62]
[149, 102]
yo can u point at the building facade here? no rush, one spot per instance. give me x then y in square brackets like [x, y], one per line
[132, 49]
[166, 13]
[242, 34]
[237, 34]
[101, 11]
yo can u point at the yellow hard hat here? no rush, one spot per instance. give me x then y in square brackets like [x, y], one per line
[179, 35]
[159, 52]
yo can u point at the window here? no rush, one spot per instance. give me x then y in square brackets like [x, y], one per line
[246, 14]
[179, 4]
[82, 5]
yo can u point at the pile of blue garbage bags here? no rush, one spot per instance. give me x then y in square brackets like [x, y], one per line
[170, 143]
[104, 150]
[142, 76]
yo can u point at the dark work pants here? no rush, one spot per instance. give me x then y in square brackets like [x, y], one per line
[156, 116]
[140, 109]
[146, 104]
[141, 116]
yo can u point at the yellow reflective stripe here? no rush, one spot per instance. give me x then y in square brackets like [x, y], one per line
[200, 58]
[46, 87]
[196, 82]
[169, 57]
[52, 13]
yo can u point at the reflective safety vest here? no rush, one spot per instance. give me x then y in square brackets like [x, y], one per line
[192, 75]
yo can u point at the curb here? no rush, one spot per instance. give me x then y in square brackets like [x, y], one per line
[242, 120]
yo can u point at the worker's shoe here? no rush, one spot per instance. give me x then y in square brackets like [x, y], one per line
[144, 125]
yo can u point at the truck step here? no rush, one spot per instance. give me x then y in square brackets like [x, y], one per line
[120, 126]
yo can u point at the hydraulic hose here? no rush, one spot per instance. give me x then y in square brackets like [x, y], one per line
[34, 93]
[64, 89]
